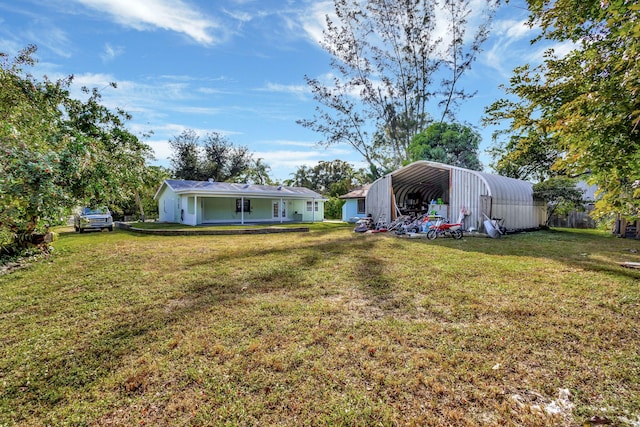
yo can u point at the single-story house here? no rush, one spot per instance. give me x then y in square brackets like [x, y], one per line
[210, 202]
[354, 206]
[453, 193]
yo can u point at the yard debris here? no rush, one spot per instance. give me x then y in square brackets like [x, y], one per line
[597, 420]
[10, 267]
[633, 422]
[630, 264]
[561, 406]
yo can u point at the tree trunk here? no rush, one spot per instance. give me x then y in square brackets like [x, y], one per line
[139, 202]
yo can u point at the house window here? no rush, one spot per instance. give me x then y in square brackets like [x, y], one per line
[241, 208]
[191, 205]
[361, 208]
[310, 206]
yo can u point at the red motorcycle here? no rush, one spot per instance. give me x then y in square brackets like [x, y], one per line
[445, 229]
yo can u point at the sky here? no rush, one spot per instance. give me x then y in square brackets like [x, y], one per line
[235, 67]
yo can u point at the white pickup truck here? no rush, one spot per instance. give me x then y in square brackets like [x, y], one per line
[93, 219]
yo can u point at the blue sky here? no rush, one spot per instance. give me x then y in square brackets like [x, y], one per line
[232, 66]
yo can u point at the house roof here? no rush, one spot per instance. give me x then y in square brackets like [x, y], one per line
[212, 188]
[358, 193]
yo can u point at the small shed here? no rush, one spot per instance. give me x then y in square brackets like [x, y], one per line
[454, 192]
[210, 202]
[354, 206]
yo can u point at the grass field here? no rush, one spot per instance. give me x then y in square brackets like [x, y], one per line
[326, 328]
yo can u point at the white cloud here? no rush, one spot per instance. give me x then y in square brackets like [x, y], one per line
[210, 91]
[240, 15]
[162, 152]
[111, 52]
[289, 143]
[10, 47]
[288, 160]
[508, 46]
[518, 30]
[285, 162]
[171, 129]
[170, 15]
[537, 54]
[299, 90]
[49, 37]
[313, 21]
[561, 50]
[198, 110]
[91, 80]
[310, 154]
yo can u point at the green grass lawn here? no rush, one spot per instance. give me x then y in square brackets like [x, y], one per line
[327, 327]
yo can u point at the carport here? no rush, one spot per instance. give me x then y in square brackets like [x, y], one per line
[456, 191]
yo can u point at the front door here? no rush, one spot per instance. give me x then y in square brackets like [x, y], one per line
[279, 210]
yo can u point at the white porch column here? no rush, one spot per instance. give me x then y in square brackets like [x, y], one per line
[282, 208]
[242, 210]
[195, 210]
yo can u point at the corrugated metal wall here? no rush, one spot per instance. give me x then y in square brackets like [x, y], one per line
[378, 201]
[466, 189]
[510, 198]
[520, 216]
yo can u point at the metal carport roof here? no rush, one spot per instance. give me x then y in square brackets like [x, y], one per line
[461, 190]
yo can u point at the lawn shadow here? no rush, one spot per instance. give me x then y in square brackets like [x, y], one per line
[292, 264]
[98, 351]
[577, 250]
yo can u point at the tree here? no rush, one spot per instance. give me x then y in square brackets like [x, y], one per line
[579, 115]
[386, 58]
[186, 156]
[561, 195]
[258, 173]
[215, 158]
[333, 208]
[450, 143]
[143, 203]
[223, 161]
[330, 179]
[29, 165]
[58, 152]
